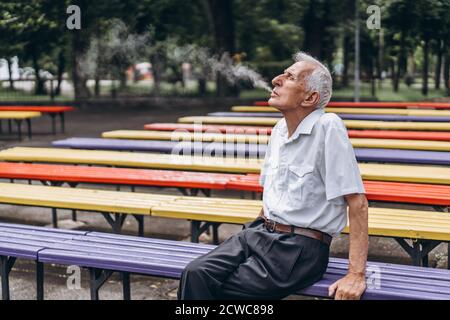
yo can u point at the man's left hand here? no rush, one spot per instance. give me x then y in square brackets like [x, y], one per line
[351, 287]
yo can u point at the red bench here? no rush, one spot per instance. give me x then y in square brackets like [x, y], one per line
[437, 195]
[376, 134]
[52, 111]
[373, 104]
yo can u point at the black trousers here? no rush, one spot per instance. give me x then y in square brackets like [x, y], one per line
[255, 264]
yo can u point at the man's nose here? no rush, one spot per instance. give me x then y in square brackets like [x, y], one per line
[277, 81]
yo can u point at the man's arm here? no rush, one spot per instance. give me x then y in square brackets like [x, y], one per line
[353, 285]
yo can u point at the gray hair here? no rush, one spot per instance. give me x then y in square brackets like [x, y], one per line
[318, 80]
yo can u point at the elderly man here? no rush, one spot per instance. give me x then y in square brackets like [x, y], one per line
[310, 176]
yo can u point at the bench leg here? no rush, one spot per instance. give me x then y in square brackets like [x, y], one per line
[9, 126]
[63, 125]
[6, 264]
[74, 215]
[39, 280]
[29, 128]
[52, 116]
[140, 220]
[19, 129]
[183, 191]
[419, 250]
[126, 286]
[197, 228]
[215, 228]
[55, 217]
[115, 220]
[206, 192]
[98, 278]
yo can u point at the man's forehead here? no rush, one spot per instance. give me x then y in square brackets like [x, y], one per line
[300, 67]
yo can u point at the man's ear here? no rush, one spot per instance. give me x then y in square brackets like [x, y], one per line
[312, 99]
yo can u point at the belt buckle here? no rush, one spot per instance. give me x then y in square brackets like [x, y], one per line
[270, 226]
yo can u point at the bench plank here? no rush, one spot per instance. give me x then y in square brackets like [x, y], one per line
[402, 112]
[350, 124]
[369, 171]
[377, 104]
[249, 150]
[344, 116]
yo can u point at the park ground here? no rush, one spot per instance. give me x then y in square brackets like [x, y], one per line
[90, 123]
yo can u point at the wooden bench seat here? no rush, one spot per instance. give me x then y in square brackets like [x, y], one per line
[103, 254]
[377, 104]
[262, 139]
[343, 116]
[402, 112]
[428, 194]
[369, 171]
[426, 228]
[52, 111]
[377, 134]
[350, 124]
[18, 117]
[242, 150]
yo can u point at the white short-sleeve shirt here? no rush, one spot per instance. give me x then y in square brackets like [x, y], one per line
[306, 176]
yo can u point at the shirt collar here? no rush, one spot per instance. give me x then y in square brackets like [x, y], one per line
[304, 127]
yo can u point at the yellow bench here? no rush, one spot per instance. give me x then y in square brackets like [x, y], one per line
[184, 136]
[369, 171]
[19, 117]
[264, 139]
[427, 229]
[402, 112]
[350, 124]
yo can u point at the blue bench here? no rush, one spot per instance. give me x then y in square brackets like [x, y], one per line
[250, 150]
[104, 254]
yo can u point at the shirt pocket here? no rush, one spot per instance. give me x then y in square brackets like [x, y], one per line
[298, 177]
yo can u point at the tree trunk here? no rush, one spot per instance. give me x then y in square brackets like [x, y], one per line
[437, 73]
[346, 60]
[61, 68]
[157, 70]
[425, 68]
[372, 79]
[224, 35]
[447, 71]
[394, 74]
[97, 85]
[11, 81]
[313, 26]
[79, 47]
[39, 84]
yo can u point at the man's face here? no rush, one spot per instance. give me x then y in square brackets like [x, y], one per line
[290, 88]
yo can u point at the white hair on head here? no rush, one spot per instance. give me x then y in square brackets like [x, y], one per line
[318, 80]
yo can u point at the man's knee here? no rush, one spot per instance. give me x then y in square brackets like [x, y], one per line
[195, 267]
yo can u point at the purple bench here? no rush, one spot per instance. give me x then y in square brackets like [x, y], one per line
[250, 150]
[343, 116]
[182, 147]
[103, 254]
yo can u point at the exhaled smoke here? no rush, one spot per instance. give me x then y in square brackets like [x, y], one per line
[233, 72]
[116, 49]
[236, 72]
